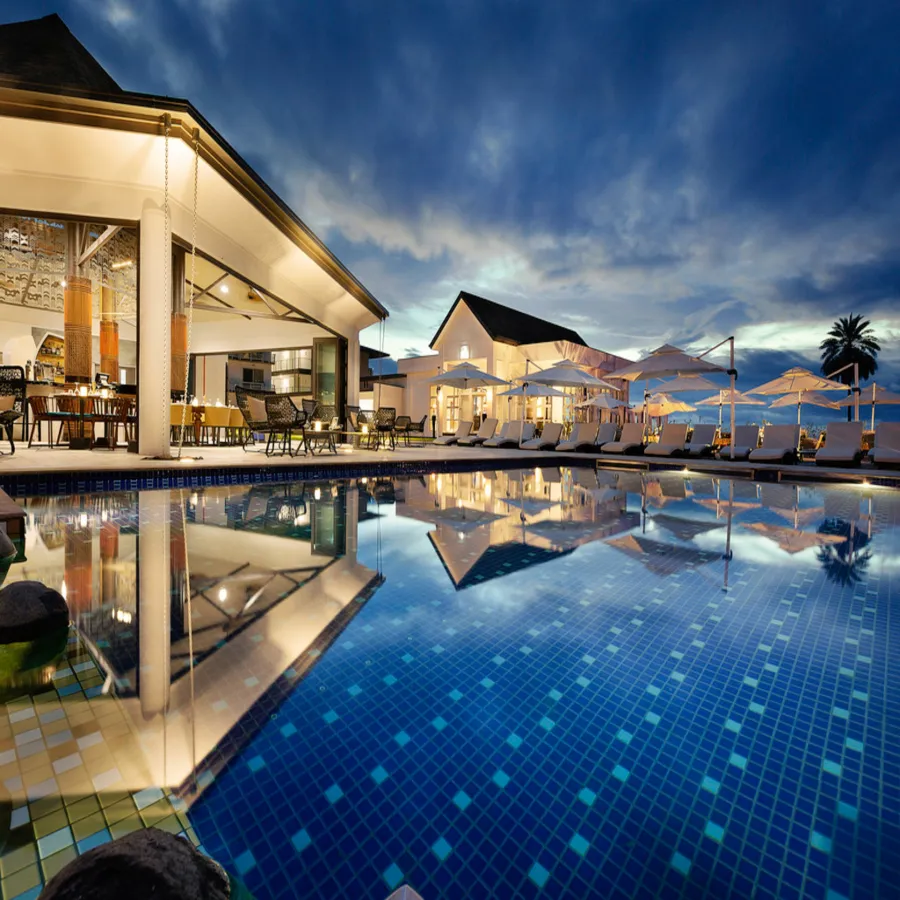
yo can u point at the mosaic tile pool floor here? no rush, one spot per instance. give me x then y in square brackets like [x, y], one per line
[559, 684]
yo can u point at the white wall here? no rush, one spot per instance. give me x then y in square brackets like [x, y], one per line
[210, 376]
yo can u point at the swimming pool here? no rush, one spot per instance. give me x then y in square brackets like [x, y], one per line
[547, 682]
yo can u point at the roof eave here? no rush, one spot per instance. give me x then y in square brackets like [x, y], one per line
[142, 113]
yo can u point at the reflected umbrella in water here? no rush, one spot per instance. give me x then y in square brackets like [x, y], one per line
[662, 558]
[790, 540]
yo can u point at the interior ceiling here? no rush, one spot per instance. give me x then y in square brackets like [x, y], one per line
[229, 296]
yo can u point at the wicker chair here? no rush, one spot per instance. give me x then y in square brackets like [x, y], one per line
[416, 428]
[257, 422]
[113, 412]
[385, 417]
[282, 418]
[12, 385]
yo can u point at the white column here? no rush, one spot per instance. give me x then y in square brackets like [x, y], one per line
[154, 601]
[154, 350]
[352, 371]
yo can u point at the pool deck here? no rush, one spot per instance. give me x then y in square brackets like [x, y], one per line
[29, 464]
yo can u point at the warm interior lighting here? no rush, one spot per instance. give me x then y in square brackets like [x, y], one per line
[223, 288]
[122, 264]
[83, 520]
[317, 426]
[463, 351]
[317, 494]
[365, 429]
[195, 401]
[487, 490]
[83, 391]
[104, 393]
[63, 283]
[364, 480]
[223, 594]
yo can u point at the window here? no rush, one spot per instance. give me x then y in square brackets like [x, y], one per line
[463, 351]
[253, 376]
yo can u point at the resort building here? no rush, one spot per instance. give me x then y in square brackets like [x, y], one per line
[504, 342]
[135, 242]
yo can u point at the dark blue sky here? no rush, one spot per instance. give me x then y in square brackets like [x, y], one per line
[641, 171]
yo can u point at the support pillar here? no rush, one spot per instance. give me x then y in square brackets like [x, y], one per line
[109, 333]
[154, 347]
[179, 323]
[352, 371]
[154, 601]
[77, 314]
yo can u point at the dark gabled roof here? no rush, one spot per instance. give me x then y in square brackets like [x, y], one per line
[510, 326]
[43, 52]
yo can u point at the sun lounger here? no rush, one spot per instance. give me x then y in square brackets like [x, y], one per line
[605, 433]
[671, 442]
[485, 433]
[463, 431]
[515, 433]
[843, 445]
[746, 440]
[581, 438]
[702, 441]
[549, 438]
[779, 445]
[887, 445]
[631, 441]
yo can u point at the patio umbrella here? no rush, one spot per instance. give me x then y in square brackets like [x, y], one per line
[665, 362]
[530, 390]
[604, 401]
[565, 373]
[724, 396]
[796, 381]
[873, 396]
[812, 397]
[466, 376]
[688, 383]
[662, 405]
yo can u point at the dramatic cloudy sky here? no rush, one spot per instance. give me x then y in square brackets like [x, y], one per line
[641, 171]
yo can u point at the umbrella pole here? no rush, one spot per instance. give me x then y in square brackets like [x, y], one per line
[732, 373]
[855, 392]
[873, 407]
[728, 531]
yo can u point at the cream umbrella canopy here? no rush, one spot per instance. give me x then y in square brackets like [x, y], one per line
[667, 362]
[724, 395]
[814, 398]
[873, 396]
[663, 405]
[463, 377]
[688, 383]
[530, 390]
[796, 381]
[604, 402]
[565, 373]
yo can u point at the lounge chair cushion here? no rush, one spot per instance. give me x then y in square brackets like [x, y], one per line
[548, 439]
[486, 431]
[462, 431]
[510, 437]
[779, 442]
[581, 437]
[257, 410]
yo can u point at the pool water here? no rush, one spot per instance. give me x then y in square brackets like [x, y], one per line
[550, 682]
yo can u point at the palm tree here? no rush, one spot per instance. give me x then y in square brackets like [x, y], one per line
[843, 563]
[851, 340]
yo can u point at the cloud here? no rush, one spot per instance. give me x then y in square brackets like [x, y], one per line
[657, 172]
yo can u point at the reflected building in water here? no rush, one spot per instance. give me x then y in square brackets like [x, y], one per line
[491, 524]
[197, 612]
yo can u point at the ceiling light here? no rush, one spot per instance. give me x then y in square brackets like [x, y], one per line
[223, 594]
[122, 264]
[62, 283]
[223, 288]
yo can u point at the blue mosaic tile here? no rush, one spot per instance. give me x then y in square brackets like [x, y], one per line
[579, 844]
[737, 830]
[301, 840]
[500, 778]
[441, 849]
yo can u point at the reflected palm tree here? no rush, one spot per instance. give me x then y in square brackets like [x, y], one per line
[844, 563]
